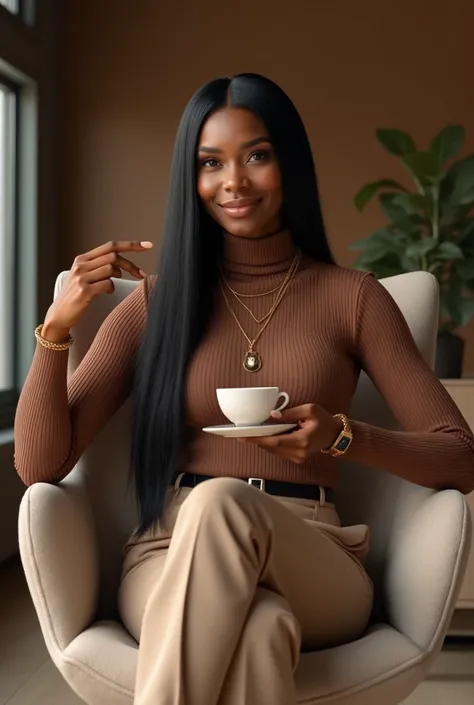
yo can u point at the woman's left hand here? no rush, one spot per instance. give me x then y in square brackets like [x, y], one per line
[317, 431]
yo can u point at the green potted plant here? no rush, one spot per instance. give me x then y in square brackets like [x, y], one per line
[430, 227]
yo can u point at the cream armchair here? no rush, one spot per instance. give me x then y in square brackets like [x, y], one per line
[71, 538]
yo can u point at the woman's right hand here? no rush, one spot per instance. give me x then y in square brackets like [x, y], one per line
[90, 276]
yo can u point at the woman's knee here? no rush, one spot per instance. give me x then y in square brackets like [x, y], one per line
[271, 620]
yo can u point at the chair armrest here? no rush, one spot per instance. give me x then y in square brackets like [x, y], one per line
[426, 562]
[60, 558]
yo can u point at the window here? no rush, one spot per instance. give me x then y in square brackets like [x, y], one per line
[24, 9]
[12, 5]
[8, 199]
[28, 62]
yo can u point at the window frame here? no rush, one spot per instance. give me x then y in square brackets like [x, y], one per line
[17, 12]
[9, 397]
[25, 13]
[29, 56]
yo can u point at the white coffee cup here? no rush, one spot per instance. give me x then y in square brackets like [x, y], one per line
[250, 406]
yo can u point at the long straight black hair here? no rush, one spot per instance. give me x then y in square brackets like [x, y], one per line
[181, 301]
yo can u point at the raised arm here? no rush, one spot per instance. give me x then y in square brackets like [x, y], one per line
[56, 419]
[436, 446]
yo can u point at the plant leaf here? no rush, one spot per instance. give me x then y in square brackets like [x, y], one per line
[463, 193]
[465, 269]
[449, 250]
[467, 233]
[422, 247]
[359, 244]
[387, 266]
[434, 266]
[469, 284]
[423, 166]
[457, 186]
[451, 298]
[409, 264]
[447, 143]
[396, 141]
[451, 215]
[368, 191]
[380, 243]
[413, 202]
[382, 234]
[464, 312]
[407, 222]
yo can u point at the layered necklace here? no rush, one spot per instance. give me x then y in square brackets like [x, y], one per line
[252, 361]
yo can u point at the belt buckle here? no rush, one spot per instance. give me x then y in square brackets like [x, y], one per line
[257, 482]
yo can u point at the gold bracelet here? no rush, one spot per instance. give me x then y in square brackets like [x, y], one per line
[52, 346]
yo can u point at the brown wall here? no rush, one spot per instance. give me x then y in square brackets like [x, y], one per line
[129, 68]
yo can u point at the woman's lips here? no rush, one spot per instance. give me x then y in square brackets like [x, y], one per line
[241, 208]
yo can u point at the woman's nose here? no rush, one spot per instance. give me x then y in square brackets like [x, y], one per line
[235, 178]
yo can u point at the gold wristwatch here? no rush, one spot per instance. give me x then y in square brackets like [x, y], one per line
[344, 439]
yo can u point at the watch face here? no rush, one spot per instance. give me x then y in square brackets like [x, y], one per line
[343, 443]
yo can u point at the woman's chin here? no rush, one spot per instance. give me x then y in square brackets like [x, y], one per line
[250, 230]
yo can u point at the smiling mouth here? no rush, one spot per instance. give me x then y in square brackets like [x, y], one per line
[241, 207]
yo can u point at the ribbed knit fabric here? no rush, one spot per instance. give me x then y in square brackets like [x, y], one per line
[331, 323]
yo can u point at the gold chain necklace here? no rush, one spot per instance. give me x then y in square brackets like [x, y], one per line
[280, 288]
[253, 361]
[251, 296]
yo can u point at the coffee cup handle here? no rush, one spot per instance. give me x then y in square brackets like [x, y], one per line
[286, 401]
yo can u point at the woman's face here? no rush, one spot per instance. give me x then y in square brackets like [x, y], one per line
[239, 180]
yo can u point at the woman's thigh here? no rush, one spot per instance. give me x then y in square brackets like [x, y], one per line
[144, 561]
[327, 588]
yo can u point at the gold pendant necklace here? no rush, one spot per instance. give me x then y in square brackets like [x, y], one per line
[252, 361]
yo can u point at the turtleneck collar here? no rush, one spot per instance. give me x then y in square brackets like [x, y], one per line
[254, 257]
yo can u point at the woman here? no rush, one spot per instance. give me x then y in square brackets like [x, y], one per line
[223, 583]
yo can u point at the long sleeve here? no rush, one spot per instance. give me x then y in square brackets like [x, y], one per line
[56, 420]
[436, 447]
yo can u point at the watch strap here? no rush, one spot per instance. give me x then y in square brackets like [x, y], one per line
[344, 439]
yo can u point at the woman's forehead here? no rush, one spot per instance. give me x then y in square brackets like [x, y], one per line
[231, 126]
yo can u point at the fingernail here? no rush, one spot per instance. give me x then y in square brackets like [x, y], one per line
[276, 414]
[144, 274]
[146, 244]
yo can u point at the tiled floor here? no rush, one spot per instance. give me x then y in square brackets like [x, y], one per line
[28, 677]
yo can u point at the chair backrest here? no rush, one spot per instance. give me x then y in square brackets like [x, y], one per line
[363, 496]
[369, 496]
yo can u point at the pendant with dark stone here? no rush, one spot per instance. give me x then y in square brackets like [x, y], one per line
[252, 361]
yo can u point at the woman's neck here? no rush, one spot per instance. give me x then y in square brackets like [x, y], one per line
[246, 258]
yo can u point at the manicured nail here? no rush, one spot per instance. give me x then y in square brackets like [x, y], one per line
[146, 244]
[276, 414]
[144, 274]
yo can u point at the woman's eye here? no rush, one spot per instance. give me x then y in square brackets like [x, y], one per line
[211, 163]
[259, 156]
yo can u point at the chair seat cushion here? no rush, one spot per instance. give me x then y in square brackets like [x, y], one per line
[383, 666]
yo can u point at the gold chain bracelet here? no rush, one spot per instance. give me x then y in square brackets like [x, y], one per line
[50, 345]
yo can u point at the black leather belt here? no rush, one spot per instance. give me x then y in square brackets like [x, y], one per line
[279, 489]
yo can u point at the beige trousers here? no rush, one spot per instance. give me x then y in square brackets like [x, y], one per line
[223, 598]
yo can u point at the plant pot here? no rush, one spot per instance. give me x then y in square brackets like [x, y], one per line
[449, 355]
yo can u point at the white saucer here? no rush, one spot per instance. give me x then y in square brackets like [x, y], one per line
[267, 429]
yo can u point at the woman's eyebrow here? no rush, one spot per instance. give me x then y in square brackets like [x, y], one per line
[252, 143]
[244, 145]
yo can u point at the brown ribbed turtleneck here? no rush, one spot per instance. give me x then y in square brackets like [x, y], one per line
[322, 334]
